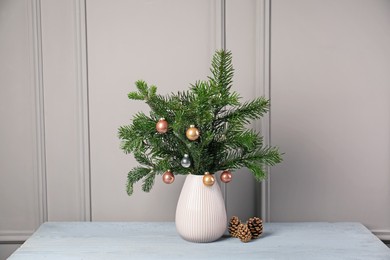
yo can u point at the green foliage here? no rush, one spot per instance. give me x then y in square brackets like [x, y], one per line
[217, 112]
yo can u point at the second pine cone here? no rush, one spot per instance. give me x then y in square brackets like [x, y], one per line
[255, 225]
[243, 233]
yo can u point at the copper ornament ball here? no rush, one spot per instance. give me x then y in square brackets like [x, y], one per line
[162, 126]
[226, 176]
[192, 133]
[208, 179]
[168, 177]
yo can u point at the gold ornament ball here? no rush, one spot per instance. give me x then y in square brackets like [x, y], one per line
[208, 179]
[168, 177]
[192, 133]
[162, 126]
[226, 176]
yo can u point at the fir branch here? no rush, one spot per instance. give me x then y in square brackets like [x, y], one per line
[134, 176]
[270, 156]
[134, 136]
[246, 112]
[142, 87]
[222, 70]
[148, 182]
[152, 91]
[163, 164]
[247, 140]
[257, 171]
[142, 158]
[267, 156]
[142, 93]
[159, 105]
[135, 96]
[211, 106]
[130, 144]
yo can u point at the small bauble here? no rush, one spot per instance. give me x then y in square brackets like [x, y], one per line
[192, 133]
[208, 179]
[168, 177]
[226, 176]
[162, 126]
[186, 162]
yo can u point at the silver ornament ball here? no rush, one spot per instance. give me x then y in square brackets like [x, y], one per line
[186, 162]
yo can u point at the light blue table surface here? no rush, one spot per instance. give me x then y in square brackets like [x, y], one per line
[159, 240]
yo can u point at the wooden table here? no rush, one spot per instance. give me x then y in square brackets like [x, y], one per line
[156, 240]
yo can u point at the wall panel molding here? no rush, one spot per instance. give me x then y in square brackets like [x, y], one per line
[215, 25]
[83, 111]
[36, 50]
[262, 67]
[29, 29]
[382, 234]
[248, 39]
[220, 43]
[14, 236]
[245, 37]
[66, 109]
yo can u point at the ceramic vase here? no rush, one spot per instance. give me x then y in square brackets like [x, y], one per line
[200, 213]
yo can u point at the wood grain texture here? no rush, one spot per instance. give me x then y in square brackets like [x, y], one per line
[159, 240]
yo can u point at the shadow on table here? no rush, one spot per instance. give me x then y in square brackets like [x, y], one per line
[227, 237]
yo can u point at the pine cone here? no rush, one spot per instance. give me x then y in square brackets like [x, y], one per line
[255, 225]
[243, 233]
[233, 226]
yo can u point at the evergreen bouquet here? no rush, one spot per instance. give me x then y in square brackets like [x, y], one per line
[199, 131]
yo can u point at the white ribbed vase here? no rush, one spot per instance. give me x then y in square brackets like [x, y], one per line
[200, 213]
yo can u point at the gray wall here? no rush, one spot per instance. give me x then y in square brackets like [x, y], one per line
[330, 90]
